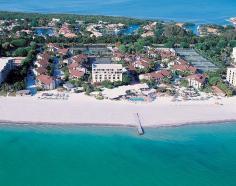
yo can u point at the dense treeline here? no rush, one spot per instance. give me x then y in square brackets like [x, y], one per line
[217, 48]
[71, 18]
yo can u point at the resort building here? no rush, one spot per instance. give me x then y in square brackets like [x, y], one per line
[76, 74]
[157, 75]
[148, 34]
[63, 51]
[196, 81]
[66, 32]
[46, 82]
[39, 71]
[166, 53]
[80, 59]
[51, 47]
[118, 56]
[6, 65]
[185, 68]
[106, 72]
[43, 56]
[231, 76]
[42, 60]
[76, 68]
[142, 63]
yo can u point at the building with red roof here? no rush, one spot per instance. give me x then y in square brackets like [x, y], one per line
[185, 68]
[76, 74]
[39, 71]
[46, 82]
[81, 58]
[157, 75]
[63, 51]
[197, 80]
[142, 63]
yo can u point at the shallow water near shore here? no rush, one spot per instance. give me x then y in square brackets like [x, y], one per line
[201, 11]
[53, 155]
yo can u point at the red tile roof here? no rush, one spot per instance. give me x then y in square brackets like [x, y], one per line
[165, 53]
[131, 67]
[79, 58]
[181, 62]
[129, 58]
[43, 62]
[47, 80]
[198, 77]
[73, 65]
[63, 51]
[145, 62]
[41, 70]
[52, 45]
[76, 73]
[185, 68]
[45, 56]
[156, 75]
[159, 74]
[165, 73]
[119, 55]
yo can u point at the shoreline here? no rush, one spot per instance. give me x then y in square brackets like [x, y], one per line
[98, 125]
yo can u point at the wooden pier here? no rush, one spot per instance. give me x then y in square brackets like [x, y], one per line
[139, 124]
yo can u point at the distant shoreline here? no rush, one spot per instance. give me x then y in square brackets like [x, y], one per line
[224, 21]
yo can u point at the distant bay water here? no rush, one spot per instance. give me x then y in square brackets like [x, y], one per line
[68, 156]
[200, 11]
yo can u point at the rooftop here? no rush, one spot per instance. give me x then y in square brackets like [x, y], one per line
[47, 80]
[108, 66]
[76, 73]
[41, 70]
[197, 77]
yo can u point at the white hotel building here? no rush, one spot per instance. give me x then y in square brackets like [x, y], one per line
[231, 76]
[106, 72]
[231, 71]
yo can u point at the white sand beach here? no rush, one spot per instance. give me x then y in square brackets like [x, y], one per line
[82, 109]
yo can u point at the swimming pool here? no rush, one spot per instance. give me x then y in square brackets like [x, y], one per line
[44, 32]
[137, 99]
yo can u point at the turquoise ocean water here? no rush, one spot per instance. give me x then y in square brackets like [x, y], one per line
[200, 11]
[199, 155]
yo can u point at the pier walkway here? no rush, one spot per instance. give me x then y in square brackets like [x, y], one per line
[139, 124]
